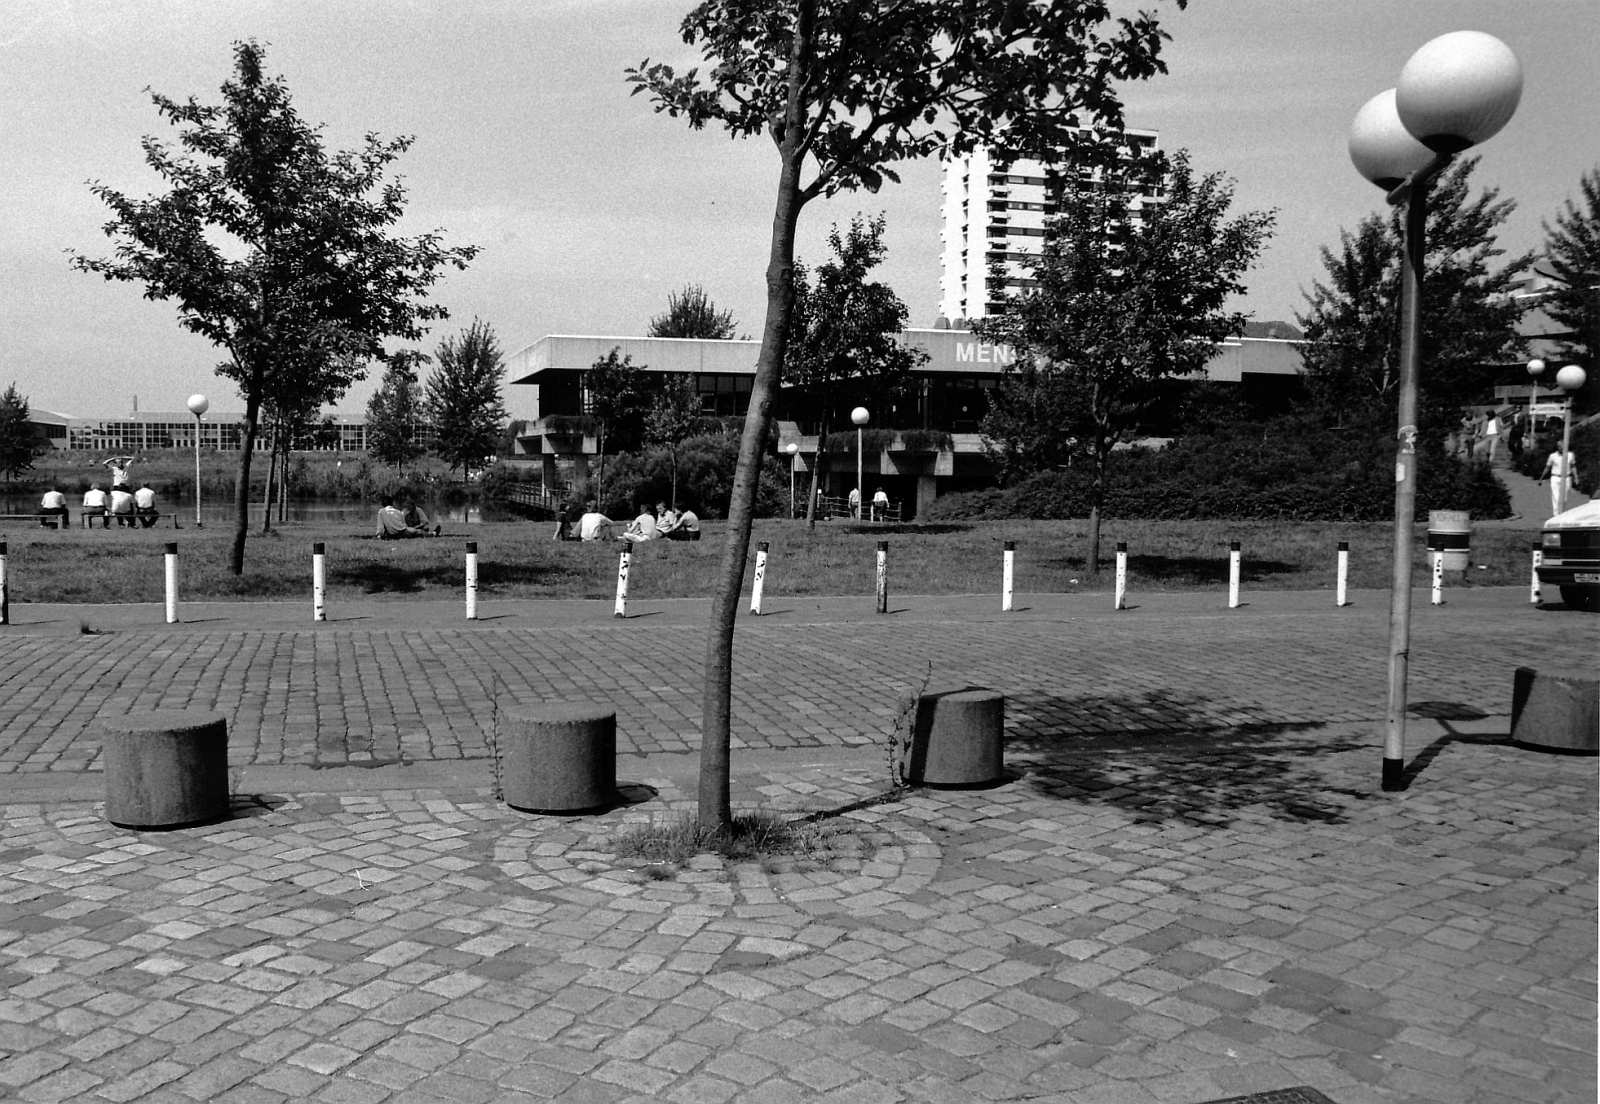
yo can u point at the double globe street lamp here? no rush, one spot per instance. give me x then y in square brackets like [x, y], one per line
[1571, 380]
[860, 417]
[1456, 91]
[198, 405]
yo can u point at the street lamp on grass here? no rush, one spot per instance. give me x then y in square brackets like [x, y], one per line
[792, 449]
[1570, 379]
[1456, 91]
[198, 405]
[860, 417]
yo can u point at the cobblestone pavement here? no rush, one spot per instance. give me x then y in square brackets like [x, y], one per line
[1188, 887]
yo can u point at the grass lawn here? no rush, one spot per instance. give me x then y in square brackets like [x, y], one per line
[519, 560]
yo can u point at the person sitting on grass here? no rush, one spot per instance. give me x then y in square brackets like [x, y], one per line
[95, 505]
[642, 528]
[392, 523]
[417, 518]
[686, 526]
[593, 525]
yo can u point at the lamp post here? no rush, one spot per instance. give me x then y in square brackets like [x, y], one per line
[1569, 379]
[793, 448]
[198, 405]
[1456, 91]
[860, 417]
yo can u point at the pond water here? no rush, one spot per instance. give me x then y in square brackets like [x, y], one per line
[221, 513]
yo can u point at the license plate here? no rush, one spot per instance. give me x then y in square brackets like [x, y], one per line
[1586, 577]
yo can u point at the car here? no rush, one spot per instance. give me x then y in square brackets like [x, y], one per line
[1570, 555]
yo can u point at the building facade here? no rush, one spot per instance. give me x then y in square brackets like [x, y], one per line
[144, 431]
[995, 218]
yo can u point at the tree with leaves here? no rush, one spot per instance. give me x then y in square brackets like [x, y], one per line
[1124, 303]
[845, 90]
[464, 402]
[1572, 250]
[20, 440]
[1469, 317]
[691, 313]
[842, 334]
[674, 415]
[396, 411]
[274, 249]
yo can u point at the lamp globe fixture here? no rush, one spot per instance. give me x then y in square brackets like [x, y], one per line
[1571, 378]
[1382, 149]
[1536, 368]
[1458, 90]
[860, 416]
[198, 404]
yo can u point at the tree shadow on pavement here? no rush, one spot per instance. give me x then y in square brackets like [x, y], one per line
[1170, 758]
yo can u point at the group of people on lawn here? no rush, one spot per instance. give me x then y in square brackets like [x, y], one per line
[130, 507]
[663, 523]
[395, 523]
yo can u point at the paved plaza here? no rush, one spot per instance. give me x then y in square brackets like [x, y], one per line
[1189, 887]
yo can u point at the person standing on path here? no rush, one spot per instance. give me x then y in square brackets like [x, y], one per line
[1561, 469]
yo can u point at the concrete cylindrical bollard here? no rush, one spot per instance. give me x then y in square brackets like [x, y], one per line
[760, 581]
[472, 580]
[319, 583]
[883, 576]
[956, 739]
[166, 768]
[1120, 600]
[1342, 583]
[1233, 574]
[172, 582]
[558, 757]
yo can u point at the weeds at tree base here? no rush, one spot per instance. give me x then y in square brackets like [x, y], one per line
[661, 848]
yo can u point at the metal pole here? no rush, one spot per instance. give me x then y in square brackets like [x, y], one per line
[883, 576]
[1415, 199]
[197, 522]
[5, 591]
[1344, 575]
[319, 583]
[1566, 461]
[1233, 574]
[472, 580]
[1007, 560]
[1121, 599]
[861, 492]
[172, 582]
[759, 583]
[622, 581]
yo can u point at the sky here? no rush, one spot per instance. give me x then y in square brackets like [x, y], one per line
[590, 208]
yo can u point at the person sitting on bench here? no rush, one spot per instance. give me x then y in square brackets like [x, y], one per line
[144, 505]
[122, 508]
[95, 505]
[53, 510]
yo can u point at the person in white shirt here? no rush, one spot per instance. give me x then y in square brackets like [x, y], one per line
[122, 507]
[686, 527]
[53, 511]
[642, 528]
[593, 525]
[1561, 469]
[119, 467]
[880, 505]
[95, 504]
[144, 505]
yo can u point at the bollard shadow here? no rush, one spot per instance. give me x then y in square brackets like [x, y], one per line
[1444, 713]
[766, 613]
[637, 616]
[250, 806]
[1169, 758]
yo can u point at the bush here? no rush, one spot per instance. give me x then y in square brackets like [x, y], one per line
[705, 479]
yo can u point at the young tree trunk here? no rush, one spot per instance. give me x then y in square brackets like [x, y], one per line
[241, 489]
[1097, 497]
[817, 468]
[272, 471]
[283, 483]
[714, 807]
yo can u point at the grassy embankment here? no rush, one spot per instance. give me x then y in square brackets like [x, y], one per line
[519, 560]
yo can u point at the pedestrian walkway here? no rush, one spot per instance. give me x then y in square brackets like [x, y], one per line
[1188, 887]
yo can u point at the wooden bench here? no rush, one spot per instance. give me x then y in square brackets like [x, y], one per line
[35, 519]
[92, 515]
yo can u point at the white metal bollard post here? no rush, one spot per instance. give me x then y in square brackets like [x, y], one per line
[1342, 586]
[760, 581]
[1233, 574]
[5, 592]
[472, 580]
[172, 582]
[1121, 599]
[319, 582]
[1007, 567]
[883, 576]
[1533, 594]
[1437, 556]
[623, 563]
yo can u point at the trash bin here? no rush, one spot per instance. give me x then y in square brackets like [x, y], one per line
[1449, 531]
[956, 738]
[167, 768]
[558, 757]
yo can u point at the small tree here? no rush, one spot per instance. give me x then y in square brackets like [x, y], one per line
[691, 313]
[614, 400]
[20, 440]
[273, 249]
[1123, 304]
[847, 90]
[842, 333]
[673, 417]
[1572, 247]
[464, 402]
[395, 412]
